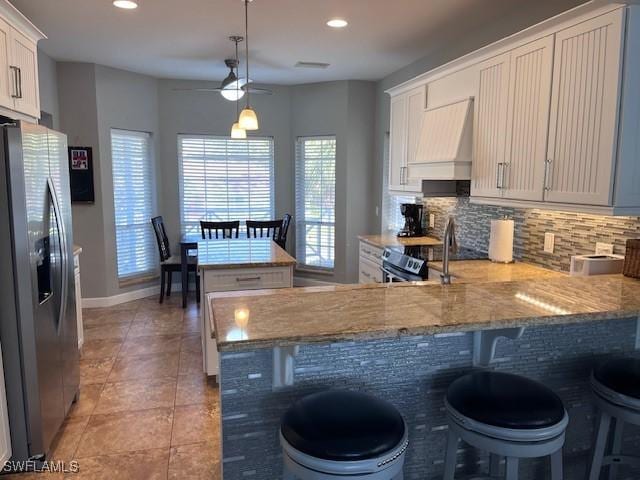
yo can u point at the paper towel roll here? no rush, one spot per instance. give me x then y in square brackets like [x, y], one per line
[501, 241]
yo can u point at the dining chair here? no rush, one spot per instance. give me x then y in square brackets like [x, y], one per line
[219, 230]
[168, 263]
[274, 229]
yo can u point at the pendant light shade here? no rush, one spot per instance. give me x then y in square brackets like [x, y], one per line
[237, 132]
[248, 119]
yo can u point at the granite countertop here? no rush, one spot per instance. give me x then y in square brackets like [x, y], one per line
[291, 316]
[241, 253]
[488, 271]
[390, 240]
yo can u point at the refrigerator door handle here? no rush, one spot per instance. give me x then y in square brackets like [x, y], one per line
[64, 257]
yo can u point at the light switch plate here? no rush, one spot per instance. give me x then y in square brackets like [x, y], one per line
[432, 220]
[549, 242]
[604, 248]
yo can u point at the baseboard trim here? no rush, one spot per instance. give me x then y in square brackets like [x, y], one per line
[102, 302]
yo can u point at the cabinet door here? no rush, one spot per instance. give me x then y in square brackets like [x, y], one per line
[528, 120]
[584, 108]
[397, 142]
[24, 56]
[6, 77]
[416, 104]
[5, 433]
[490, 127]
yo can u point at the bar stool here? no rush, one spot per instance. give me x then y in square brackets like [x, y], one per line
[507, 415]
[337, 434]
[616, 385]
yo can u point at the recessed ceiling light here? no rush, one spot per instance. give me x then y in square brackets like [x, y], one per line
[126, 4]
[337, 23]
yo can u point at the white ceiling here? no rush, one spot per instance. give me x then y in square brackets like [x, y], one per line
[187, 39]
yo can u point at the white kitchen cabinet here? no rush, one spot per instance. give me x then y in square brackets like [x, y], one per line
[5, 432]
[527, 121]
[78, 292]
[584, 111]
[370, 263]
[407, 111]
[490, 124]
[19, 88]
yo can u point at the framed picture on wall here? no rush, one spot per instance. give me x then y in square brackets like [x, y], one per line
[81, 174]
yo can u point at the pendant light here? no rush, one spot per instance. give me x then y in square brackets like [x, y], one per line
[237, 132]
[248, 118]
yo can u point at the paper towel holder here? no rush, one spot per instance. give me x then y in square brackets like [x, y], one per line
[492, 252]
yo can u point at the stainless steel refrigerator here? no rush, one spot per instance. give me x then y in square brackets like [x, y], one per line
[38, 330]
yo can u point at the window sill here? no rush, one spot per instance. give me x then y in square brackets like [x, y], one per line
[138, 280]
[318, 271]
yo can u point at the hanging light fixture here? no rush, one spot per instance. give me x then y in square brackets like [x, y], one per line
[248, 118]
[237, 132]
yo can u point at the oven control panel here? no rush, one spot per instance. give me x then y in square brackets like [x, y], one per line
[403, 262]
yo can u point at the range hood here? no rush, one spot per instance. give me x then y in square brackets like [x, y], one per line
[445, 143]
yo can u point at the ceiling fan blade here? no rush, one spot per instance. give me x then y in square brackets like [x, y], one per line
[196, 89]
[257, 91]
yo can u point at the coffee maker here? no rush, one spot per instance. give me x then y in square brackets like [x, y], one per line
[412, 214]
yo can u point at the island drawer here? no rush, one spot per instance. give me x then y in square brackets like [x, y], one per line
[371, 253]
[369, 272]
[247, 279]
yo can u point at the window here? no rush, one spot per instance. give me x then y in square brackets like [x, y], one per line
[316, 201]
[223, 179]
[134, 203]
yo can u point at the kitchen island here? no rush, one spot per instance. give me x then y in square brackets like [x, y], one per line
[238, 264]
[406, 343]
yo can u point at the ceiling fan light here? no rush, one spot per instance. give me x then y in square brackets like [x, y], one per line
[232, 93]
[125, 4]
[237, 132]
[248, 119]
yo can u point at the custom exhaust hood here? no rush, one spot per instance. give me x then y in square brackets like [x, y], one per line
[444, 149]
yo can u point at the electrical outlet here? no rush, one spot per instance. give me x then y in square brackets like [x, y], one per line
[432, 220]
[604, 248]
[549, 242]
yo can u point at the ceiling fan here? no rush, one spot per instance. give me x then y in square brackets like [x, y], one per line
[232, 87]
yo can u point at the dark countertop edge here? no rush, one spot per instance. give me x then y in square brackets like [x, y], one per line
[237, 346]
[224, 266]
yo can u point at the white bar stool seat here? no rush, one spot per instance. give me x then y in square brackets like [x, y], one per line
[341, 434]
[508, 416]
[616, 386]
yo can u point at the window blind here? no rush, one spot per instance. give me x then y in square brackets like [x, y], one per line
[223, 179]
[316, 201]
[134, 202]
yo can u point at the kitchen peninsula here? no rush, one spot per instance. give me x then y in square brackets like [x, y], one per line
[406, 343]
[238, 264]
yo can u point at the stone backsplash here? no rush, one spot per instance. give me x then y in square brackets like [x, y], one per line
[575, 233]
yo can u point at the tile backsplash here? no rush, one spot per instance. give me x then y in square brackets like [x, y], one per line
[575, 233]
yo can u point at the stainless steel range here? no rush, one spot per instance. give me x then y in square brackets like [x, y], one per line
[411, 264]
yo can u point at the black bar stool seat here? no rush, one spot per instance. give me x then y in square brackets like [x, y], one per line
[343, 426]
[505, 400]
[620, 377]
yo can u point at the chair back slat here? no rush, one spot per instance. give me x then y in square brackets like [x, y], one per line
[274, 229]
[219, 230]
[161, 238]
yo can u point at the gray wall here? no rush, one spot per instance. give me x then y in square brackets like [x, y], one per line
[48, 79]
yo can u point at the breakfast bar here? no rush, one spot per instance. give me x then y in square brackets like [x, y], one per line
[406, 343]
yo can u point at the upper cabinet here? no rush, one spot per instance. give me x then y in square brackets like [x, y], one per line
[556, 113]
[19, 89]
[584, 112]
[407, 111]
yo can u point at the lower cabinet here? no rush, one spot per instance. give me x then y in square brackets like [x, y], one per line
[369, 270]
[225, 280]
[5, 433]
[76, 270]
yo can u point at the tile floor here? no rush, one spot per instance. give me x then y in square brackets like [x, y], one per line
[146, 410]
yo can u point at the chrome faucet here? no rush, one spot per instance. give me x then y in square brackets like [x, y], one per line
[450, 246]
